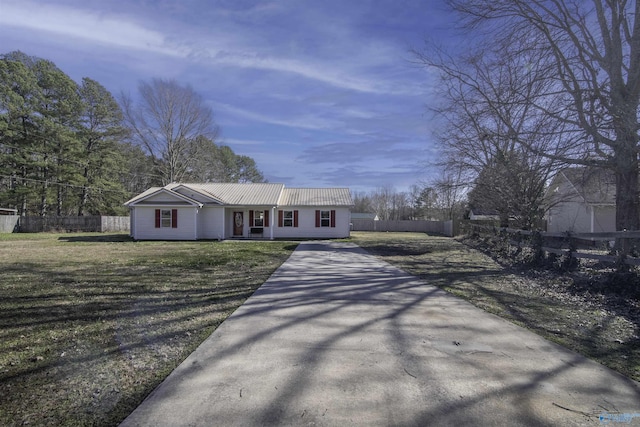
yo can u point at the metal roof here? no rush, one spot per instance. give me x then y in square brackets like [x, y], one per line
[142, 195]
[316, 197]
[248, 194]
[257, 194]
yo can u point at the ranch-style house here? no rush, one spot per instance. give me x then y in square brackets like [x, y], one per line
[235, 211]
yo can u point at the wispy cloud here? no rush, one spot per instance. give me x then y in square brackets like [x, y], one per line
[308, 122]
[84, 25]
[231, 45]
[324, 87]
[318, 71]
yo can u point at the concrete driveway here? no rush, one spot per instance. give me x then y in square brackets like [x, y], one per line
[337, 337]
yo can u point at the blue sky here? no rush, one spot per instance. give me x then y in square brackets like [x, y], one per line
[319, 93]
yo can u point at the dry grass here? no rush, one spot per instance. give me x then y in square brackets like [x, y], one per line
[591, 320]
[91, 323]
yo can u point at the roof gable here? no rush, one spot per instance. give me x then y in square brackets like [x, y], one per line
[594, 186]
[161, 196]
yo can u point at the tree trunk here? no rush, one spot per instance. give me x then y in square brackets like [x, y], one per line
[84, 197]
[627, 202]
[45, 188]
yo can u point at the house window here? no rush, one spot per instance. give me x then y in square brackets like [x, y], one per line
[325, 218]
[166, 218]
[287, 220]
[258, 219]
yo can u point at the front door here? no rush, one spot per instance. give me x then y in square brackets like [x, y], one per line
[238, 224]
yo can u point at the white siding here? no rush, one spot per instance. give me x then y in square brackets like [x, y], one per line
[145, 228]
[164, 197]
[210, 223]
[229, 218]
[569, 216]
[132, 222]
[307, 224]
[604, 219]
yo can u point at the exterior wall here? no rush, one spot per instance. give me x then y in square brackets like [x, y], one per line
[573, 214]
[210, 225]
[580, 218]
[307, 224]
[569, 216]
[144, 227]
[132, 222]
[604, 219]
[163, 198]
[207, 223]
[229, 218]
[8, 223]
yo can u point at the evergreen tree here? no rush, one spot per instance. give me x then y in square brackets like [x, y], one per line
[100, 133]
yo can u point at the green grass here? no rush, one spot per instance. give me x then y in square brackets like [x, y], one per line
[601, 327]
[91, 323]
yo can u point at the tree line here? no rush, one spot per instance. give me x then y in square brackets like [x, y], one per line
[535, 86]
[70, 148]
[441, 199]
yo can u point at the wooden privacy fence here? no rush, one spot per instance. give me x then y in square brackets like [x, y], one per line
[596, 246]
[440, 227]
[98, 223]
[8, 223]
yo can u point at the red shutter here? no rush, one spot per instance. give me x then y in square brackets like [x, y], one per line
[250, 218]
[157, 218]
[280, 219]
[317, 218]
[266, 218]
[174, 218]
[333, 218]
[295, 218]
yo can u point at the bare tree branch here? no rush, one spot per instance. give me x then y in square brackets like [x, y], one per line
[166, 123]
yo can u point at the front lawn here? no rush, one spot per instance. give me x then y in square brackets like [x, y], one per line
[91, 323]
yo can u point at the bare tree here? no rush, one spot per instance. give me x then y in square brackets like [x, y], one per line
[166, 123]
[585, 57]
[361, 202]
[450, 194]
[488, 115]
[380, 201]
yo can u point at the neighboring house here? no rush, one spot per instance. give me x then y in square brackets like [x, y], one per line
[225, 210]
[360, 215]
[8, 211]
[582, 201]
[483, 215]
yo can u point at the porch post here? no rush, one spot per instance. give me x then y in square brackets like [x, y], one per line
[195, 224]
[223, 236]
[273, 222]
